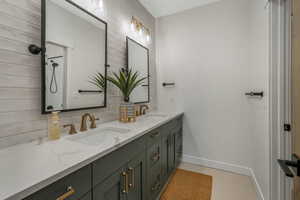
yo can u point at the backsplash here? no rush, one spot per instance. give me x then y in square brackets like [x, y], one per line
[20, 115]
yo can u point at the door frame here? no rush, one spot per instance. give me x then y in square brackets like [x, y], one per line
[280, 96]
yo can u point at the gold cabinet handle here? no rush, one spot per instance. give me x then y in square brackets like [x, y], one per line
[125, 181]
[70, 192]
[131, 171]
[155, 157]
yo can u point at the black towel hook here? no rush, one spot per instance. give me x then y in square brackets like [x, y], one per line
[34, 49]
[255, 94]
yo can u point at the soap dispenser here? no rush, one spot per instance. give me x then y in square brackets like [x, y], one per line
[54, 126]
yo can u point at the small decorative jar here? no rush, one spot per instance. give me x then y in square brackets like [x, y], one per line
[127, 112]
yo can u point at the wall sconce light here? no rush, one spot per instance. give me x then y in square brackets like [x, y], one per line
[136, 25]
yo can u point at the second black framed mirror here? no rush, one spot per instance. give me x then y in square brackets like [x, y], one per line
[138, 60]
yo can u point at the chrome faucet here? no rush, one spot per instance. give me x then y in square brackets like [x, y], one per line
[92, 118]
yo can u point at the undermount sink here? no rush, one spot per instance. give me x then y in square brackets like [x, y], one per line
[99, 137]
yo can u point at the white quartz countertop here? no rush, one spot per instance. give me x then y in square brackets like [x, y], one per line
[27, 168]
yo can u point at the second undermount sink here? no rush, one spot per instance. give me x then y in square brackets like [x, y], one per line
[100, 136]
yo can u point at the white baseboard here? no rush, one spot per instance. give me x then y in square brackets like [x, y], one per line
[226, 167]
[217, 165]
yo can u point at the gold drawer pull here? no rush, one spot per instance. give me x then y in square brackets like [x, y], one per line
[131, 171]
[70, 192]
[125, 186]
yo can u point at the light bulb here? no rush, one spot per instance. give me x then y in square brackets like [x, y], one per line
[148, 38]
[132, 26]
[100, 5]
[141, 32]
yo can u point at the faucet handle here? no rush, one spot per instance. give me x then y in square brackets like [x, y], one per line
[143, 109]
[72, 128]
[93, 121]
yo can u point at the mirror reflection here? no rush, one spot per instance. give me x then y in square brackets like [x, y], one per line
[72, 57]
[138, 60]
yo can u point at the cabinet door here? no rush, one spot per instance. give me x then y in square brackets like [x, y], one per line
[171, 153]
[178, 146]
[164, 159]
[155, 185]
[113, 188]
[137, 178]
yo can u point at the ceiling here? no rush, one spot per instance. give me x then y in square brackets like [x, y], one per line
[159, 8]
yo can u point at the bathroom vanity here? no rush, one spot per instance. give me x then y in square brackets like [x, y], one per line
[115, 161]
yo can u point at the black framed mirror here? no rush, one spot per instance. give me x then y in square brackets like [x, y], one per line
[74, 49]
[138, 60]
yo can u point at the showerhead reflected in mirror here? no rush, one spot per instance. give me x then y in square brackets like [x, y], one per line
[76, 48]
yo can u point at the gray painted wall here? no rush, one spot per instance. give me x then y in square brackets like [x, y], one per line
[20, 118]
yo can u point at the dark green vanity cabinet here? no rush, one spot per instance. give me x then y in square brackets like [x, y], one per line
[164, 153]
[136, 171]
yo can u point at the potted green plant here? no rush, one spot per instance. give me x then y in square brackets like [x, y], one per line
[126, 81]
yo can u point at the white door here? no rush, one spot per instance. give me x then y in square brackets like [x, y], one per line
[295, 97]
[292, 108]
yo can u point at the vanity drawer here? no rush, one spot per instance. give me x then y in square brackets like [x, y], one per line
[75, 186]
[154, 136]
[107, 165]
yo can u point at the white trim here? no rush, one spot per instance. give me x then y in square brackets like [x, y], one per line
[217, 165]
[238, 169]
[277, 102]
[287, 92]
[259, 192]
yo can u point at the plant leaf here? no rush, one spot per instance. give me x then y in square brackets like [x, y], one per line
[98, 80]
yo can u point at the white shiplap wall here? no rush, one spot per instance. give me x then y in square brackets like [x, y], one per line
[20, 118]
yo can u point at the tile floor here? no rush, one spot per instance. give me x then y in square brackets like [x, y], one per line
[226, 185]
